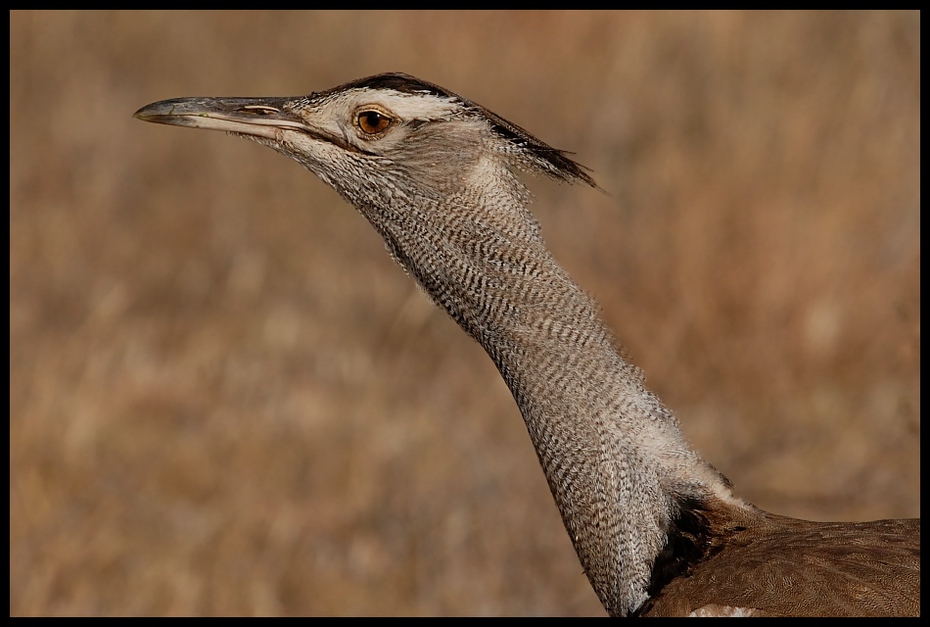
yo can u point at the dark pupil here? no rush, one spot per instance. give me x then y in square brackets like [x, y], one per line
[373, 119]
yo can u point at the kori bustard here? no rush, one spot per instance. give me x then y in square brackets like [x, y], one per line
[658, 531]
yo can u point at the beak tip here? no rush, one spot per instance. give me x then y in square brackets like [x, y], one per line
[145, 113]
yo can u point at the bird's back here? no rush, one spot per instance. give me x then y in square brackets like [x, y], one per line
[758, 563]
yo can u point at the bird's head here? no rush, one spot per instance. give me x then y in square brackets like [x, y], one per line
[383, 140]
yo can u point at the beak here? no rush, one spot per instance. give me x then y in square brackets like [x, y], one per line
[259, 117]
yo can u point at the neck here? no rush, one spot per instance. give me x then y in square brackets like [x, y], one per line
[613, 455]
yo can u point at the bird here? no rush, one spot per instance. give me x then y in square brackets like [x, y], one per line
[658, 530]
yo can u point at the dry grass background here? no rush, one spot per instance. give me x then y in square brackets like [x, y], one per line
[225, 398]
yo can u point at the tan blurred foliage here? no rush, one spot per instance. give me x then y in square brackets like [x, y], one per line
[225, 398]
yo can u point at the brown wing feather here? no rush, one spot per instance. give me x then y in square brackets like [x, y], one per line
[787, 567]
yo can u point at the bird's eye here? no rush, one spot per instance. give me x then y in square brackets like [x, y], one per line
[373, 122]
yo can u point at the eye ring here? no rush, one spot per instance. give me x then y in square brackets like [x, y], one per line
[373, 122]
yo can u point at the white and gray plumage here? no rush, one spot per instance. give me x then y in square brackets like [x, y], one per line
[658, 530]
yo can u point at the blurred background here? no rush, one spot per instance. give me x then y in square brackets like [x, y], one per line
[226, 399]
